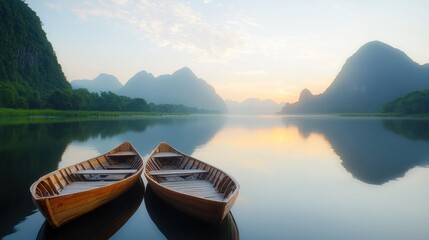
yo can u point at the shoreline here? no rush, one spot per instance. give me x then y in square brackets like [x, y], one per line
[50, 113]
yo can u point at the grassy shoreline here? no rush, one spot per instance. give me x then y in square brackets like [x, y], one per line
[50, 113]
[8, 112]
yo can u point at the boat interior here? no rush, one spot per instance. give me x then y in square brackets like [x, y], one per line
[187, 175]
[94, 173]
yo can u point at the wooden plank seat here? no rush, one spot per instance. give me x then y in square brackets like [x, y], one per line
[176, 172]
[166, 155]
[122, 154]
[105, 172]
[201, 188]
[119, 166]
[82, 186]
[105, 175]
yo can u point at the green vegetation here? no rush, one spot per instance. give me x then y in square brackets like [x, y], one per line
[31, 78]
[29, 69]
[9, 112]
[414, 103]
[26, 116]
[82, 99]
[153, 111]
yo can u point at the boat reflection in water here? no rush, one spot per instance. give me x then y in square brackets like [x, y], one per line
[177, 225]
[103, 222]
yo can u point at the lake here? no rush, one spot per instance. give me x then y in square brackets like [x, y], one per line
[301, 177]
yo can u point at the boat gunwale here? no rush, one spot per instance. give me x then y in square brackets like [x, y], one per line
[225, 200]
[35, 184]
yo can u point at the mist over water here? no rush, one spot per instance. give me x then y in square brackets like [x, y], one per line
[301, 177]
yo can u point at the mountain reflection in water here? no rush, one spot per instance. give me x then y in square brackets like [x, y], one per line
[373, 150]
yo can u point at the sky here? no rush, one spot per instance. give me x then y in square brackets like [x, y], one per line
[269, 49]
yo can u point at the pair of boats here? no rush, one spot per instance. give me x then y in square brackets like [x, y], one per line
[187, 184]
[105, 221]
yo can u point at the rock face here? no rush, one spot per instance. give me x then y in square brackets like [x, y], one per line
[253, 106]
[29, 69]
[102, 83]
[181, 87]
[375, 74]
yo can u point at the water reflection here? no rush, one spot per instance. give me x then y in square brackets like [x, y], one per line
[177, 225]
[101, 223]
[30, 150]
[369, 152]
[27, 152]
[187, 133]
[414, 129]
[289, 161]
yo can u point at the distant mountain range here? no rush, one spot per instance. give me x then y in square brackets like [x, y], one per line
[181, 87]
[375, 74]
[253, 106]
[102, 83]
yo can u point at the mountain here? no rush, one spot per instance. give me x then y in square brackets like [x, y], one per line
[253, 106]
[375, 74]
[102, 83]
[29, 70]
[181, 87]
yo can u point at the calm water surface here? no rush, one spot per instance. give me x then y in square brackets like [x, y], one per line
[312, 177]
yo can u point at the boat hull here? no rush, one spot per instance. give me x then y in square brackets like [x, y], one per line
[174, 223]
[209, 211]
[103, 222]
[206, 209]
[59, 209]
[62, 209]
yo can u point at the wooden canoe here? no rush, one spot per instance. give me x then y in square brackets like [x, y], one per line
[175, 224]
[190, 185]
[103, 222]
[68, 193]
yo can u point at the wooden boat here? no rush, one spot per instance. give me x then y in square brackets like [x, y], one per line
[68, 193]
[174, 224]
[190, 185]
[103, 222]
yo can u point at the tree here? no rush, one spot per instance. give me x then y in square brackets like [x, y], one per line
[60, 99]
[414, 103]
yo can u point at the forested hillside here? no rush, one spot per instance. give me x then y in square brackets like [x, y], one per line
[29, 70]
[414, 103]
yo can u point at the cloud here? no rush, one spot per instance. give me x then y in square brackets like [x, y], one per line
[177, 25]
[55, 5]
[121, 2]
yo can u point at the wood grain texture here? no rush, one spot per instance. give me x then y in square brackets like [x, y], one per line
[208, 193]
[177, 172]
[64, 194]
